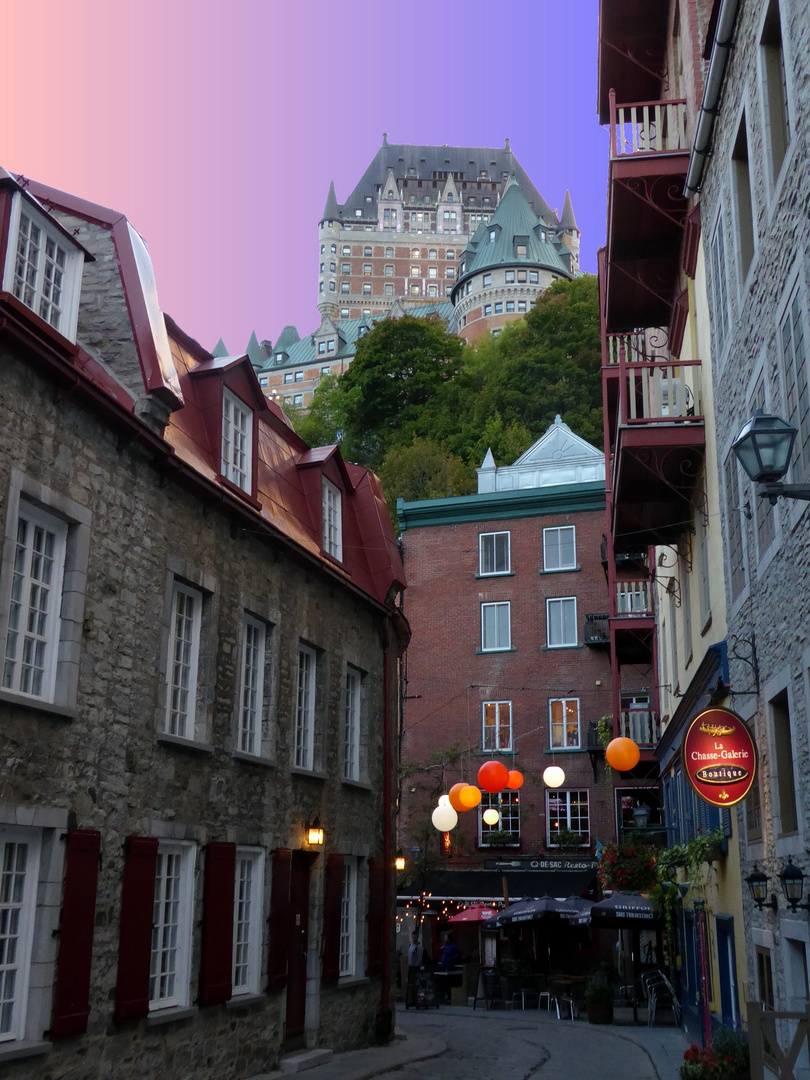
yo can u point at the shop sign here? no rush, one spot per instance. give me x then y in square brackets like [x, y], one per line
[720, 757]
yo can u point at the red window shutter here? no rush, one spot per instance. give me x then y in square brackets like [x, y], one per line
[378, 923]
[331, 918]
[216, 947]
[135, 938]
[279, 919]
[71, 999]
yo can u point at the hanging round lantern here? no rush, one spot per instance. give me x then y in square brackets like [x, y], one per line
[491, 816]
[515, 780]
[553, 776]
[444, 800]
[492, 776]
[622, 754]
[444, 818]
[469, 797]
[453, 797]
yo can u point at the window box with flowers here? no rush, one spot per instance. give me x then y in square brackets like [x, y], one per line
[628, 867]
[726, 1059]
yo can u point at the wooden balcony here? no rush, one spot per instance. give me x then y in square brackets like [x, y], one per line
[649, 155]
[640, 725]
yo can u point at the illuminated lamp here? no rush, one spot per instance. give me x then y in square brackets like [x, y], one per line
[444, 800]
[315, 834]
[453, 797]
[491, 816]
[470, 797]
[622, 754]
[553, 776]
[399, 862]
[444, 818]
[492, 776]
[515, 780]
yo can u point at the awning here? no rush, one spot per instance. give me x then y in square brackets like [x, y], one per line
[485, 886]
[624, 910]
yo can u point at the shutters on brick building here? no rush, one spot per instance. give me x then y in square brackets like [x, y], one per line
[135, 939]
[216, 944]
[71, 1000]
[333, 893]
[279, 919]
[377, 920]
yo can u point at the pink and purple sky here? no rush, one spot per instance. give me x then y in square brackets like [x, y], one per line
[216, 127]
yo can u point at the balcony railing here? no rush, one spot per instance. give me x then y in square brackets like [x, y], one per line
[640, 725]
[597, 629]
[653, 387]
[647, 127]
[634, 598]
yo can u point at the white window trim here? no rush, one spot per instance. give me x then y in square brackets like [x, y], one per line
[498, 747]
[72, 273]
[304, 749]
[347, 943]
[496, 800]
[237, 441]
[251, 685]
[557, 530]
[568, 792]
[351, 728]
[255, 921]
[332, 519]
[565, 745]
[189, 714]
[561, 600]
[25, 938]
[500, 647]
[187, 854]
[486, 536]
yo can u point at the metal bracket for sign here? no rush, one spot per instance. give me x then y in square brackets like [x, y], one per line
[736, 642]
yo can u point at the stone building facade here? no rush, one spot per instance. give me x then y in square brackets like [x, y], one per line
[199, 636]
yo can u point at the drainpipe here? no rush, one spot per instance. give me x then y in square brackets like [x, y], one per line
[701, 148]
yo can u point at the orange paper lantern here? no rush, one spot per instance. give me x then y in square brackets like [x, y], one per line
[453, 795]
[622, 754]
[492, 776]
[470, 797]
[515, 780]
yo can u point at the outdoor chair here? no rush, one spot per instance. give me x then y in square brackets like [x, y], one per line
[659, 991]
[526, 993]
[565, 1005]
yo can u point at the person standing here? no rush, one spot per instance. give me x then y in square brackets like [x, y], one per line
[416, 958]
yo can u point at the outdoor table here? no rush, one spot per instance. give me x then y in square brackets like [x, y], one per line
[445, 980]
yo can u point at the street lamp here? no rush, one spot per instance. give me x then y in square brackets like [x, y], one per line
[764, 448]
[758, 884]
[792, 880]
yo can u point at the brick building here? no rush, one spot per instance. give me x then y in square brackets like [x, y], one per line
[507, 599]
[199, 641]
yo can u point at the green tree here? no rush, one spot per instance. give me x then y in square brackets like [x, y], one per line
[423, 470]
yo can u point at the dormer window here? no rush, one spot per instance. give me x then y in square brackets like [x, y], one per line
[332, 530]
[42, 269]
[237, 449]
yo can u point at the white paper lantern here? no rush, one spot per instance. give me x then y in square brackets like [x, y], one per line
[554, 776]
[444, 818]
[491, 816]
[444, 800]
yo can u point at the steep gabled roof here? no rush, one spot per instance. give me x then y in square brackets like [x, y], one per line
[568, 221]
[331, 211]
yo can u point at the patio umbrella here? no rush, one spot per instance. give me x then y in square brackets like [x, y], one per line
[623, 909]
[576, 909]
[474, 913]
[526, 910]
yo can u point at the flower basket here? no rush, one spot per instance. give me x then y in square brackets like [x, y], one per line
[628, 867]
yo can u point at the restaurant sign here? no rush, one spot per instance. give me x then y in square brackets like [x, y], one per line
[719, 757]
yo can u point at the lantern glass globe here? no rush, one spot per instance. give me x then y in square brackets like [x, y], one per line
[553, 776]
[491, 816]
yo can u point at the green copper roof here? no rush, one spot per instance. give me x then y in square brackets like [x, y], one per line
[496, 505]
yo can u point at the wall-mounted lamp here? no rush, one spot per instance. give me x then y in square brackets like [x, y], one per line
[314, 834]
[764, 448]
[758, 884]
[399, 862]
[792, 880]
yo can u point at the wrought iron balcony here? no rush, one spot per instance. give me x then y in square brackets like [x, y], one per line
[597, 630]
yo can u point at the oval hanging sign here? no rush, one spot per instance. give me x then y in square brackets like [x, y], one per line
[720, 757]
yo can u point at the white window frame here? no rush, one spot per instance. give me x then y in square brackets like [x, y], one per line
[67, 319]
[499, 646]
[501, 801]
[184, 633]
[496, 744]
[564, 705]
[331, 504]
[173, 910]
[557, 795]
[553, 605]
[30, 656]
[347, 942]
[248, 921]
[25, 908]
[490, 540]
[251, 685]
[304, 750]
[237, 441]
[553, 547]
[351, 723]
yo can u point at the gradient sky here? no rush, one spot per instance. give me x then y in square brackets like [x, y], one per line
[216, 127]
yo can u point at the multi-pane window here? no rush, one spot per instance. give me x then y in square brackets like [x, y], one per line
[741, 172]
[506, 829]
[493, 553]
[775, 87]
[32, 637]
[19, 871]
[237, 425]
[797, 394]
[561, 622]
[332, 532]
[496, 720]
[44, 271]
[347, 951]
[567, 811]
[184, 653]
[247, 921]
[251, 685]
[305, 709]
[171, 926]
[734, 538]
[366, 288]
[717, 256]
[351, 726]
[495, 627]
[560, 548]
[563, 722]
[534, 277]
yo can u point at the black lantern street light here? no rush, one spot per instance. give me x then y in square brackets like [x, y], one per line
[792, 880]
[758, 884]
[764, 448]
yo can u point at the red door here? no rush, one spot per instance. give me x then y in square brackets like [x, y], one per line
[298, 940]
